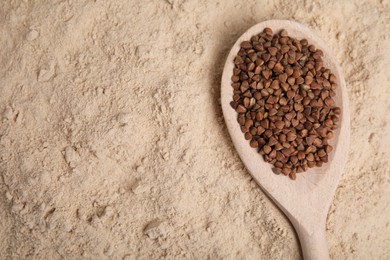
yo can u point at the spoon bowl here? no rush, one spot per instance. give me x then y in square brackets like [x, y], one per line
[306, 200]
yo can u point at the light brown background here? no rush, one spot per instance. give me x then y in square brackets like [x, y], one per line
[110, 120]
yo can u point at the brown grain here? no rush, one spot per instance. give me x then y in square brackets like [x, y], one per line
[284, 97]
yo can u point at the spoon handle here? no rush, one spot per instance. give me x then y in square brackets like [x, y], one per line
[313, 244]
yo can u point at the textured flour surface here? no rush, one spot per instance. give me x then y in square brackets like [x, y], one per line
[113, 145]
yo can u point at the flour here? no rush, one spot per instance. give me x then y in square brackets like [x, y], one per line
[113, 144]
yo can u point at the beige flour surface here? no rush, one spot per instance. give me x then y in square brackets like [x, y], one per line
[113, 145]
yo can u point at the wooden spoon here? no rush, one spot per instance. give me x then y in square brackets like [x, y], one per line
[306, 200]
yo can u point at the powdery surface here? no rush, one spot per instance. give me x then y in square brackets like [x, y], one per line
[113, 145]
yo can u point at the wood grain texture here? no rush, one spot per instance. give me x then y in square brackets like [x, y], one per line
[306, 200]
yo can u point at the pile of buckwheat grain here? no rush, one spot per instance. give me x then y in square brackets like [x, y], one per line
[284, 99]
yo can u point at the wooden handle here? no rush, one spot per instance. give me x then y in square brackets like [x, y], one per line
[314, 245]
